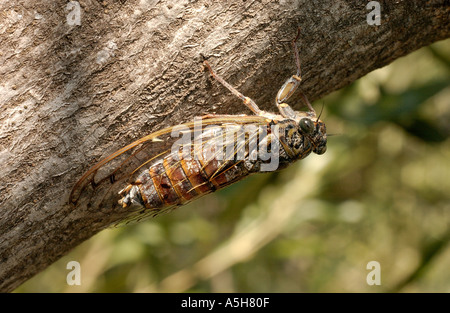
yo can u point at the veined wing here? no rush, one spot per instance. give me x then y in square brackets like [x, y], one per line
[112, 173]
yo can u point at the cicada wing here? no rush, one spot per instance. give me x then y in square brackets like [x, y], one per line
[102, 183]
[113, 172]
[139, 215]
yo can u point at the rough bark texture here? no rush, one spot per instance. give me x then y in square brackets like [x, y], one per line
[72, 94]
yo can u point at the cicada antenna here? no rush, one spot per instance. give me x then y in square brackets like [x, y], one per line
[320, 114]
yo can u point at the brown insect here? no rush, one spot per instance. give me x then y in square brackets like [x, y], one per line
[214, 151]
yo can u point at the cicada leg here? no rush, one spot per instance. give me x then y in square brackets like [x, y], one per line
[290, 86]
[213, 115]
[246, 100]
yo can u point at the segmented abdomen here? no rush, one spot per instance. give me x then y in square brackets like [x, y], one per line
[177, 179]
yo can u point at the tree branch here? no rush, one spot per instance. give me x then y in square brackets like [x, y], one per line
[71, 94]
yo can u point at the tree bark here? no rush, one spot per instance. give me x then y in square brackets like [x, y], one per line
[75, 88]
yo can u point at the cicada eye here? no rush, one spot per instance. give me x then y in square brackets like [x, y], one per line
[306, 125]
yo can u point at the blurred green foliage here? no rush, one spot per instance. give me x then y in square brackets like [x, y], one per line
[380, 193]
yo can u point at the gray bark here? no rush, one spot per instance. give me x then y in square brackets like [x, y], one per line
[71, 94]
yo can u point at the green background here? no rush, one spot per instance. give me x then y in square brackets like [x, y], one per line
[380, 193]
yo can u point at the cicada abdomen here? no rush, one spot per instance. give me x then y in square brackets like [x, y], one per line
[219, 156]
[213, 152]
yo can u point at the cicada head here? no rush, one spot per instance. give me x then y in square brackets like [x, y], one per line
[314, 130]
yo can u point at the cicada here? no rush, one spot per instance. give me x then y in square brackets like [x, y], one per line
[210, 153]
